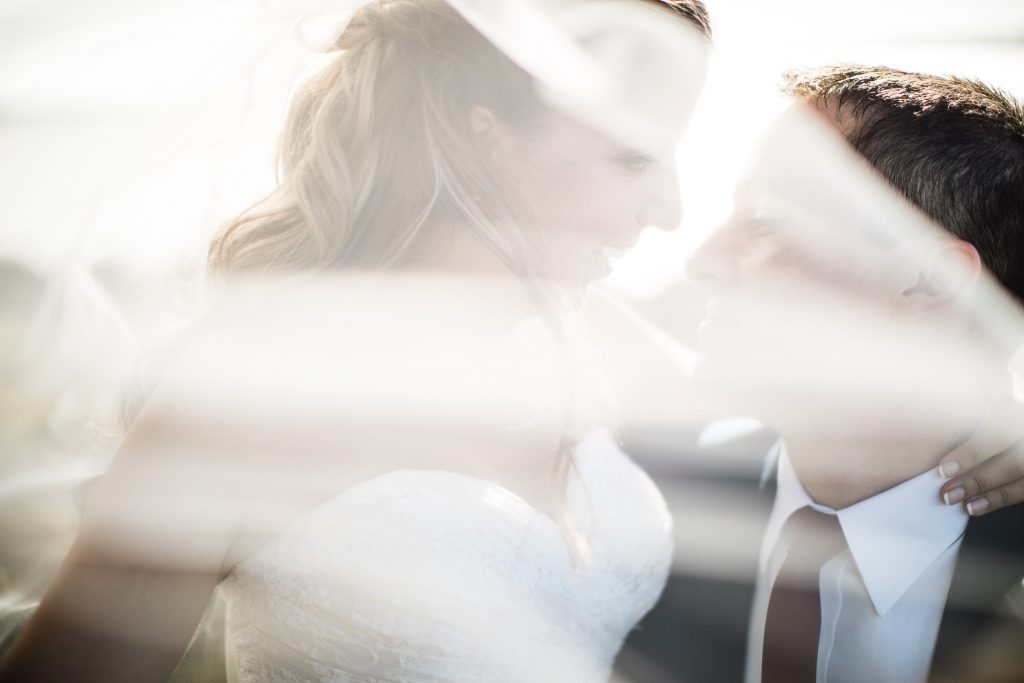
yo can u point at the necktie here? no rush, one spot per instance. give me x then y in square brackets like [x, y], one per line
[793, 622]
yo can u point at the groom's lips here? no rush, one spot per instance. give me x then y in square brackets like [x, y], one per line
[719, 311]
[718, 322]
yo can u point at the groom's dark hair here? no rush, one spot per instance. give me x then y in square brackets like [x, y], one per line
[953, 146]
[693, 11]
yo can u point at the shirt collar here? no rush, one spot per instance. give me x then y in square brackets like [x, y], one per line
[893, 536]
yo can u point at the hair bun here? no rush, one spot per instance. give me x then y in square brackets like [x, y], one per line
[393, 21]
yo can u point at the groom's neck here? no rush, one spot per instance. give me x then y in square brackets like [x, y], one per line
[839, 473]
[845, 456]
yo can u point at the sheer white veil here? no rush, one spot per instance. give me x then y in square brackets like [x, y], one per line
[131, 140]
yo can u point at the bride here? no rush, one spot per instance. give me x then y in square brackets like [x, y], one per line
[386, 452]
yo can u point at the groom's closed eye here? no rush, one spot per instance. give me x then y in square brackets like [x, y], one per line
[761, 228]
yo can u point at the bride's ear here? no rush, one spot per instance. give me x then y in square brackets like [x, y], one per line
[486, 127]
[954, 268]
[481, 120]
[492, 135]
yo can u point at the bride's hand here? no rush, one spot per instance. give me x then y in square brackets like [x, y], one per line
[987, 471]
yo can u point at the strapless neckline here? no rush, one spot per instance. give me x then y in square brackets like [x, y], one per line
[429, 575]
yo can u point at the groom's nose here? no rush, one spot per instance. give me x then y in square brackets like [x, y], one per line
[712, 266]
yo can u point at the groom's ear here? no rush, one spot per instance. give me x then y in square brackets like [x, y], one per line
[953, 269]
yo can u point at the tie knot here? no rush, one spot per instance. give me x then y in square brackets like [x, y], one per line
[793, 620]
[813, 538]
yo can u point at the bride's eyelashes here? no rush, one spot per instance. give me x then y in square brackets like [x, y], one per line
[634, 163]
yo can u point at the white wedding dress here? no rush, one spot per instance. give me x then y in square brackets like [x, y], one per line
[420, 575]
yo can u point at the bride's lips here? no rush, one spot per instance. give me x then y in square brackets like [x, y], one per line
[611, 253]
[620, 248]
[716, 310]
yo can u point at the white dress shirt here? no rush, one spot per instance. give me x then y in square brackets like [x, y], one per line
[881, 599]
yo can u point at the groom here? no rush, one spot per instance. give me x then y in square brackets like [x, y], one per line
[873, 345]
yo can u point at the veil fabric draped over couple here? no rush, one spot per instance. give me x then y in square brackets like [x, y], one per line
[389, 451]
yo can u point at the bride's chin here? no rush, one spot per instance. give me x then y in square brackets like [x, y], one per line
[581, 272]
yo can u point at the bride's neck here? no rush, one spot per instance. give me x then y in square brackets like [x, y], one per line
[455, 251]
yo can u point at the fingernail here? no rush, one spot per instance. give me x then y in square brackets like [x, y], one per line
[954, 496]
[977, 506]
[948, 469]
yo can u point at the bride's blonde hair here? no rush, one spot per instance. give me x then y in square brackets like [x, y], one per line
[379, 143]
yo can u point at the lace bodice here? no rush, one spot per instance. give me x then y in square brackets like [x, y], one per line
[420, 575]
